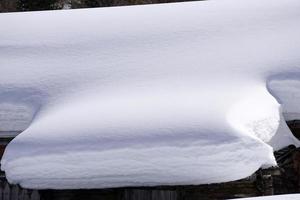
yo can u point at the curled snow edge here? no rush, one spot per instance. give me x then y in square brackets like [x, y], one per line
[182, 94]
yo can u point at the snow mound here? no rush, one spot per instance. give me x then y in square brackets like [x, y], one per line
[275, 197]
[184, 93]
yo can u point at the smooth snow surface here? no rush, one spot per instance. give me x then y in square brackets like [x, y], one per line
[184, 93]
[276, 197]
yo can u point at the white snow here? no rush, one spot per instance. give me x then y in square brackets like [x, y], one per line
[276, 197]
[170, 94]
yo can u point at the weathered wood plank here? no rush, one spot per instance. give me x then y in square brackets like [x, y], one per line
[35, 195]
[6, 192]
[14, 192]
[1, 189]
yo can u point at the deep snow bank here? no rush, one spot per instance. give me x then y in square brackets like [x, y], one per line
[148, 95]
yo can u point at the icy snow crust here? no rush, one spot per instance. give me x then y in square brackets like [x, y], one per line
[173, 94]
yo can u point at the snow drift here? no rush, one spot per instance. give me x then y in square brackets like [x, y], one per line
[184, 93]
